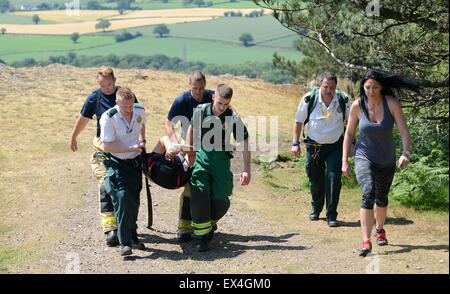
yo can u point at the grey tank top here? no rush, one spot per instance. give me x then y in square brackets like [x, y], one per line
[376, 140]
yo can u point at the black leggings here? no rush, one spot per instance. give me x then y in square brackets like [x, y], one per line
[374, 182]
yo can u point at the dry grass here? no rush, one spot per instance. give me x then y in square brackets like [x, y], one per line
[43, 184]
[85, 22]
[41, 180]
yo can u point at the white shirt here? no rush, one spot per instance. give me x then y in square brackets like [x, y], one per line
[115, 128]
[325, 124]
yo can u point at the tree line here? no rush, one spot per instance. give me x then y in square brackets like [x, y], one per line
[262, 70]
[402, 37]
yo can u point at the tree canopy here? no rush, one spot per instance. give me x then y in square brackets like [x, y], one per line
[409, 37]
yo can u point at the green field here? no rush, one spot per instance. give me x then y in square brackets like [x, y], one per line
[143, 4]
[214, 41]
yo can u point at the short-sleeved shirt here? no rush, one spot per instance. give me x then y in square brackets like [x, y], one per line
[213, 127]
[106, 102]
[326, 124]
[184, 106]
[114, 128]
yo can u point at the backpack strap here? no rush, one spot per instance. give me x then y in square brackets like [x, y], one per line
[311, 100]
[97, 109]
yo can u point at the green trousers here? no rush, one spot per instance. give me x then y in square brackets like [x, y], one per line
[123, 182]
[211, 183]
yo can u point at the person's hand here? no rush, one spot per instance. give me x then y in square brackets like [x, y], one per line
[73, 144]
[142, 144]
[403, 161]
[136, 148]
[346, 169]
[245, 178]
[295, 150]
[190, 159]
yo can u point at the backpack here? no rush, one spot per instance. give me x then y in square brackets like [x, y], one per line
[312, 99]
[165, 173]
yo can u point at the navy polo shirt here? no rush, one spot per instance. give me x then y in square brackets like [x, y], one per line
[106, 102]
[181, 108]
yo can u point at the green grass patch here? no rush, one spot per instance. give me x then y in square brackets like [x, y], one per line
[7, 256]
[16, 48]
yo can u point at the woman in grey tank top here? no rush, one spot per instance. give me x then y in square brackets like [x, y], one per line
[375, 112]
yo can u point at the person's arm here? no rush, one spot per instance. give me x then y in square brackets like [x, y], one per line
[400, 121]
[170, 132]
[115, 147]
[246, 175]
[190, 140]
[142, 140]
[348, 138]
[80, 124]
[296, 150]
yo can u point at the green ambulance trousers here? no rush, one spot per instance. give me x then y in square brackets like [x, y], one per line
[211, 183]
[123, 181]
[98, 169]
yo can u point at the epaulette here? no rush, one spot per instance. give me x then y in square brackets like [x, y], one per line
[111, 112]
[137, 105]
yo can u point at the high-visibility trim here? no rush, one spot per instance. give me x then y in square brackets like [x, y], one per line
[108, 220]
[202, 225]
[202, 232]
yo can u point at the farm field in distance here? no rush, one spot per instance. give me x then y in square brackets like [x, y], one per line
[213, 41]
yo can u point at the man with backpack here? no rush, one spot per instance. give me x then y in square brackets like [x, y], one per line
[96, 103]
[181, 111]
[324, 109]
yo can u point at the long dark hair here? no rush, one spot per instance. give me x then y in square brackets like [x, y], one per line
[388, 82]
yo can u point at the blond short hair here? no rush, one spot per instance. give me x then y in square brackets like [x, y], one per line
[197, 76]
[105, 71]
[124, 93]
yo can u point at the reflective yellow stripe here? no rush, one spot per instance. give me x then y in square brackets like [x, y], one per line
[108, 220]
[202, 225]
[202, 232]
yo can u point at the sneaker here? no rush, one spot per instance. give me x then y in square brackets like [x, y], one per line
[365, 248]
[381, 237]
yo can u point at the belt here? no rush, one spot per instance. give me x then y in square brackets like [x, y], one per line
[133, 161]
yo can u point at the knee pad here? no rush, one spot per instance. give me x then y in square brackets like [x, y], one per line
[219, 208]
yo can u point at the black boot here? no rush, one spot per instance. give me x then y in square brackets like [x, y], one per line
[111, 238]
[135, 243]
[203, 244]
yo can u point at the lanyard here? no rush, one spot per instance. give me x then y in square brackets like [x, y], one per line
[129, 129]
[325, 115]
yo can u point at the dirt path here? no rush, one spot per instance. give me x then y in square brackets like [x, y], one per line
[250, 239]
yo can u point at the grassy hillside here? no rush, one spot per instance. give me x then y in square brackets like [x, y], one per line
[43, 184]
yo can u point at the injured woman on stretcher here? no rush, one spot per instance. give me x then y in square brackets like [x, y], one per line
[169, 165]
